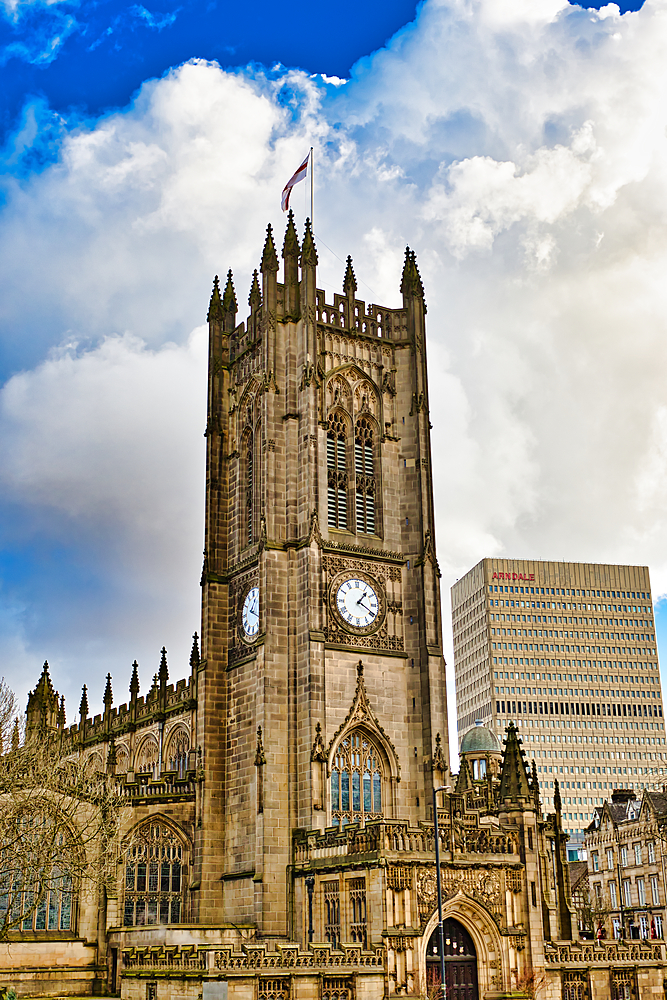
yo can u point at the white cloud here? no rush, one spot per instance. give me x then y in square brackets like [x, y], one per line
[519, 147]
[103, 452]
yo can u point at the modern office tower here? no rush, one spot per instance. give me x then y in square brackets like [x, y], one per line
[567, 652]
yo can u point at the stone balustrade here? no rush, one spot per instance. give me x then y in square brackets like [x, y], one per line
[385, 837]
[603, 952]
[167, 959]
[167, 786]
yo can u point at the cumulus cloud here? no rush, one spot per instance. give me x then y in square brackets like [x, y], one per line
[101, 463]
[518, 146]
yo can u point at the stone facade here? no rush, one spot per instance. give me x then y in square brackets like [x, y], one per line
[627, 854]
[279, 837]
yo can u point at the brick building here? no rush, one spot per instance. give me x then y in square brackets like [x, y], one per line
[279, 840]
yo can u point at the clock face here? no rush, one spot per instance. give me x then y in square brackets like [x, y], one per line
[357, 603]
[250, 613]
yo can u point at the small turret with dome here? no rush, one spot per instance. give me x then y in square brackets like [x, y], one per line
[481, 751]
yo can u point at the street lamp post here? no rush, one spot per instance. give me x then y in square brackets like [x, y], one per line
[441, 933]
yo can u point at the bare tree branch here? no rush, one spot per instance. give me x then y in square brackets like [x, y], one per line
[58, 827]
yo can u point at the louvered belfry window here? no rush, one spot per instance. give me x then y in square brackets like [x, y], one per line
[249, 488]
[364, 468]
[336, 473]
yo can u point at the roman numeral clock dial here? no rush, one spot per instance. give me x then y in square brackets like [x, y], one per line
[358, 605]
[250, 614]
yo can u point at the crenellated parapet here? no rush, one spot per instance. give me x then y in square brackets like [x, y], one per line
[148, 743]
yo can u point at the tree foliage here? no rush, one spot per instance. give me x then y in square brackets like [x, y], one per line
[58, 826]
[592, 910]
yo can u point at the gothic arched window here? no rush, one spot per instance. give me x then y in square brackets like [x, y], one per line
[36, 892]
[176, 756]
[364, 468]
[147, 758]
[155, 873]
[122, 760]
[336, 472]
[356, 780]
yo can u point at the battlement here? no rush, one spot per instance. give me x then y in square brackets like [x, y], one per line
[376, 321]
[161, 702]
[373, 321]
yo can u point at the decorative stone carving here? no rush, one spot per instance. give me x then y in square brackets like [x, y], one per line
[318, 753]
[361, 712]
[480, 883]
[260, 757]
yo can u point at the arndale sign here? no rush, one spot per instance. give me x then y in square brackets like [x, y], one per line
[514, 576]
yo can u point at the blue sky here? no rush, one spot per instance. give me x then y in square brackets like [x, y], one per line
[87, 57]
[518, 145]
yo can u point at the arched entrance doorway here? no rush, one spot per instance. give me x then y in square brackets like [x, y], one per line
[460, 962]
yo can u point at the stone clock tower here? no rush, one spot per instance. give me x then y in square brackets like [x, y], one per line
[278, 841]
[322, 696]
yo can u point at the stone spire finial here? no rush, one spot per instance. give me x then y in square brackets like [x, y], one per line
[557, 801]
[229, 295]
[215, 305]
[438, 762]
[42, 708]
[349, 281]
[108, 694]
[44, 687]
[229, 305]
[83, 707]
[194, 653]
[61, 713]
[411, 282]
[269, 255]
[163, 673]
[291, 242]
[513, 776]
[406, 277]
[134, 680]
[465, 780]
[255, 297]
[308, 250]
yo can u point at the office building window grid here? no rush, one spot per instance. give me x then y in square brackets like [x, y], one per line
[554, 694]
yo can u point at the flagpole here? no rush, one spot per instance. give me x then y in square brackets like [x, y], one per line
[312, 213]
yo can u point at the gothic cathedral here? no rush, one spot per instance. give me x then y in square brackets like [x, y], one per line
[278, 842]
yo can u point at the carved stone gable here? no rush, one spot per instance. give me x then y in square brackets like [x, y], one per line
[362, 714]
